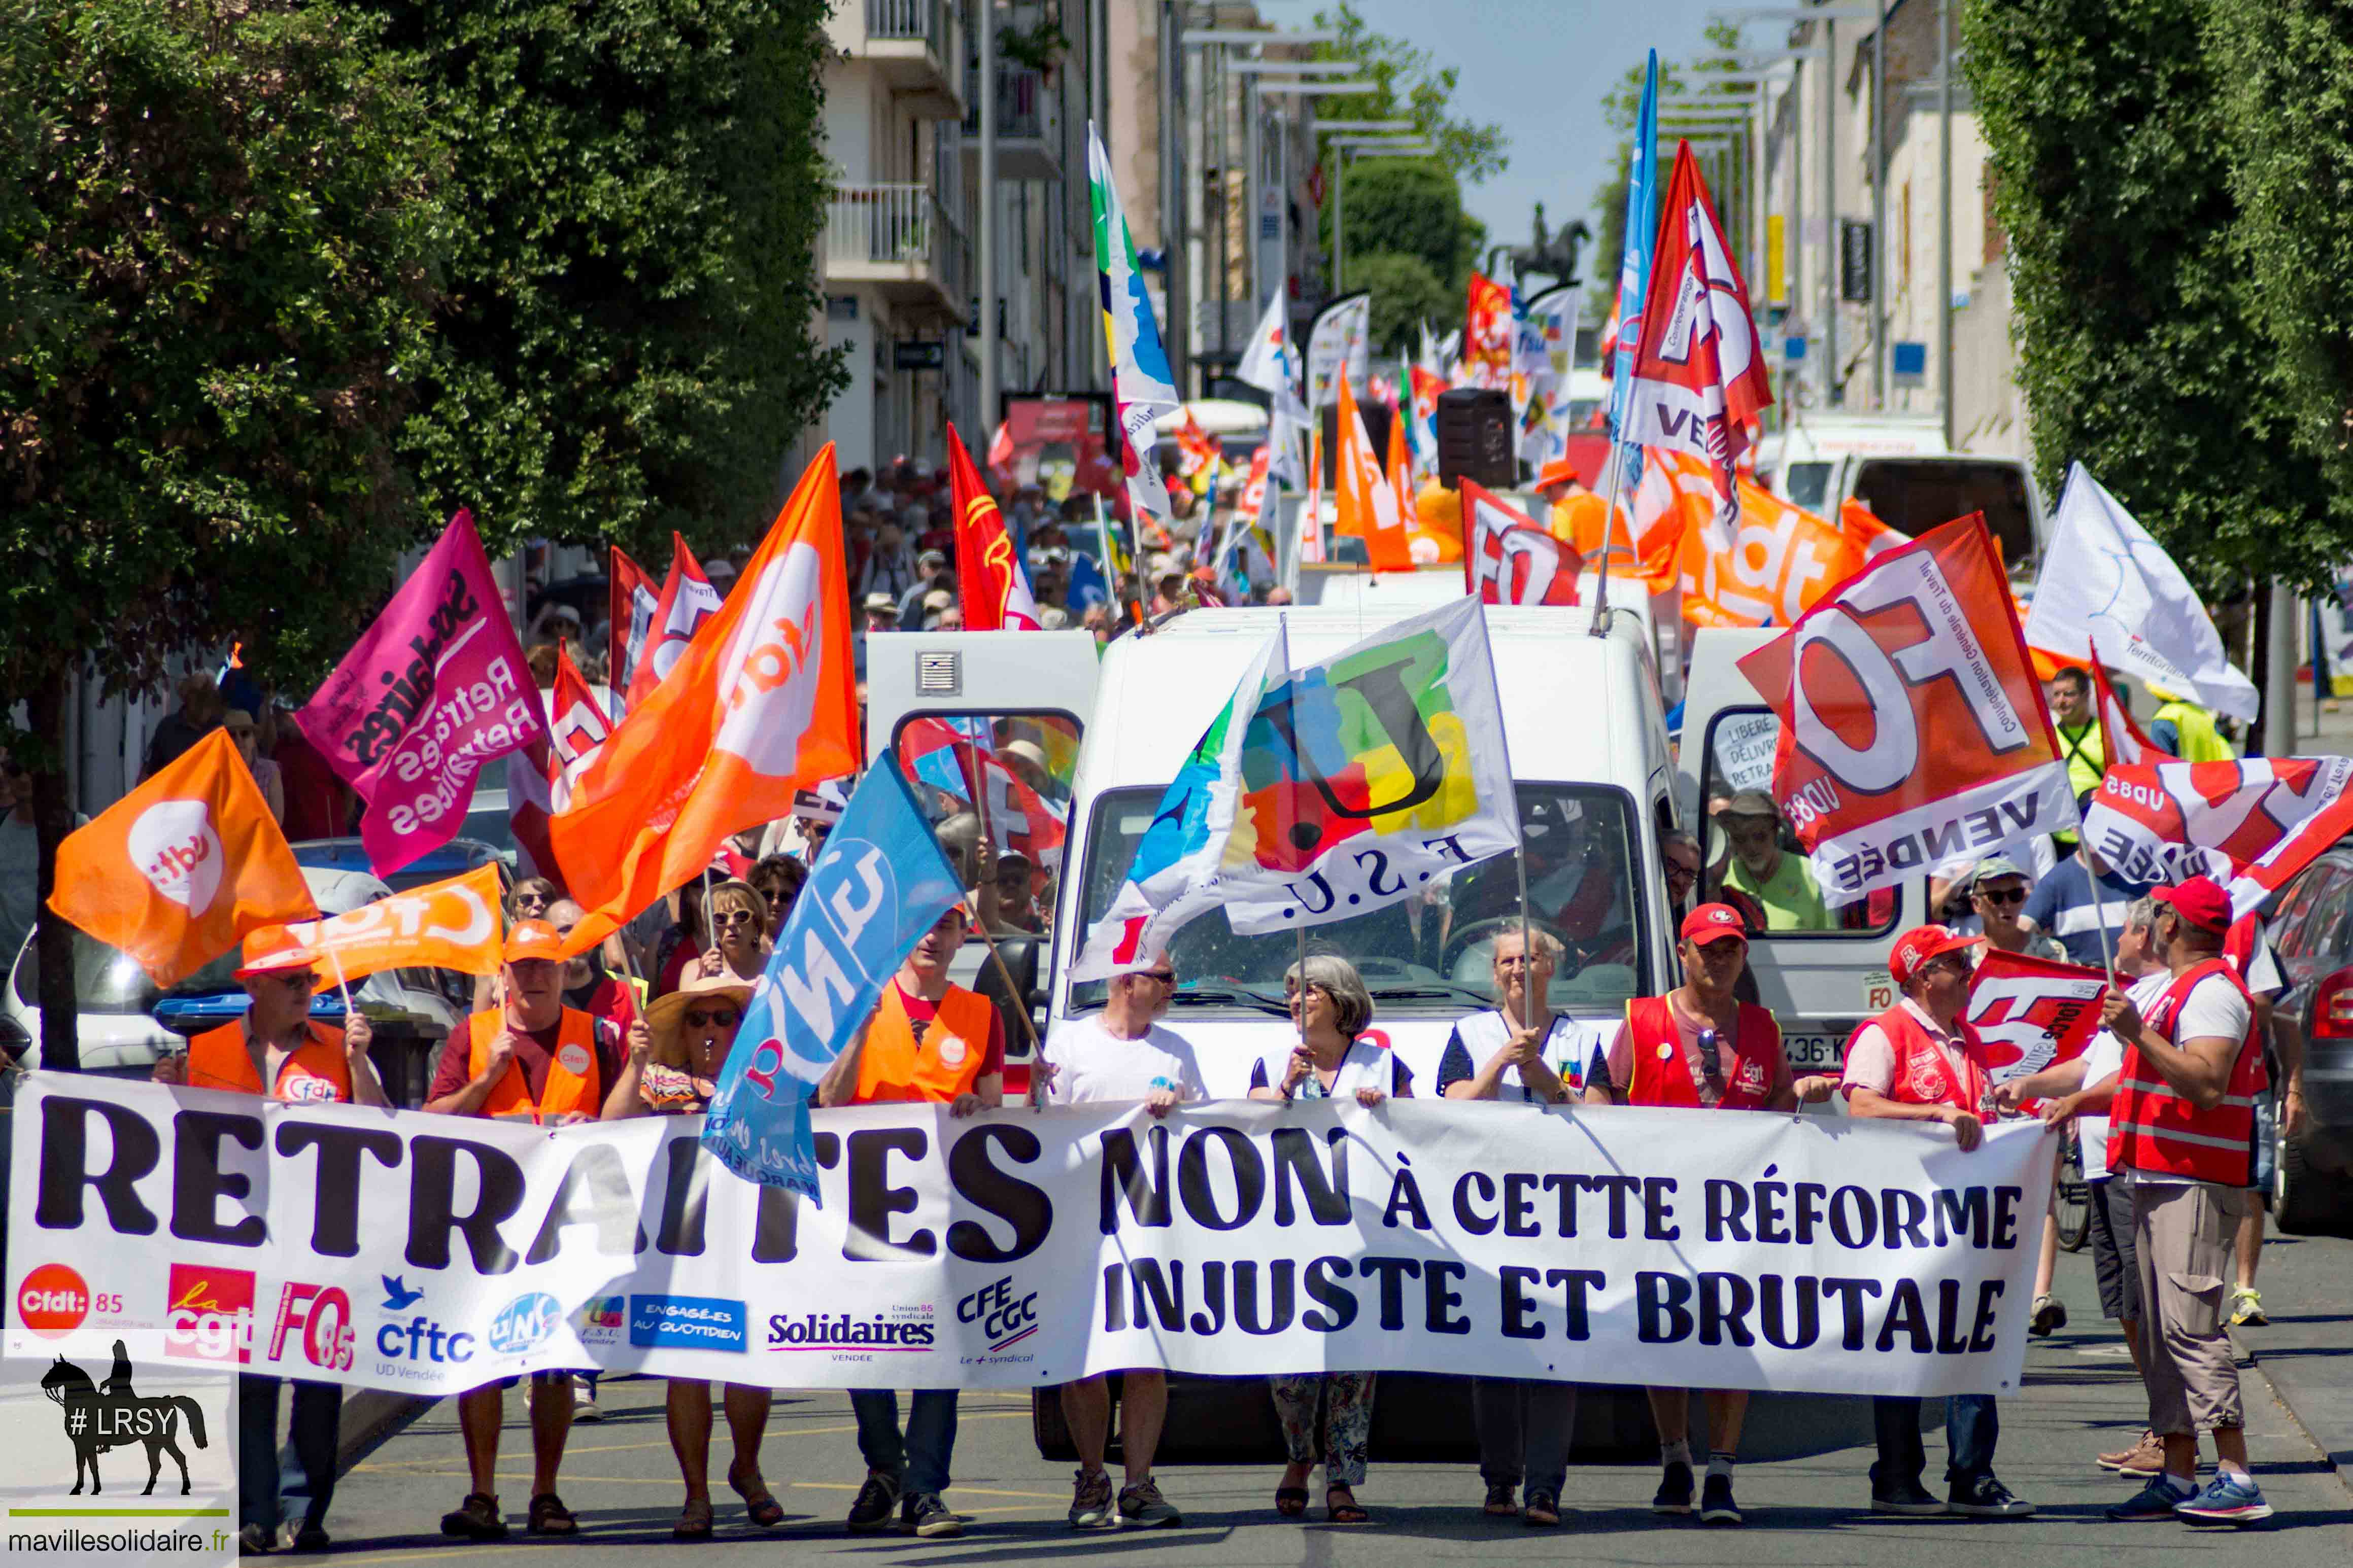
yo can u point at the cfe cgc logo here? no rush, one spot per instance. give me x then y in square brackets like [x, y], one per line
[208, 1314]
[1004, 1315]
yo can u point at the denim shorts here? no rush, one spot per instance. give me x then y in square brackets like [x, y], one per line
[2266, 1143]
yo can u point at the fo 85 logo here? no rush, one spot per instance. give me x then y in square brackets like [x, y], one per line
[321, 1315]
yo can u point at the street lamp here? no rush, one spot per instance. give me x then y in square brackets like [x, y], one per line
[1371, 147]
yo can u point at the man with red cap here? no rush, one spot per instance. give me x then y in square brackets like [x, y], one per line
[531, 1058]
[1912, 1063]
[304, 1062]
[2183, 1127]
[1670, 1052]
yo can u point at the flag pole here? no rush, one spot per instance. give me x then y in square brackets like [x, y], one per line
[1601, 627]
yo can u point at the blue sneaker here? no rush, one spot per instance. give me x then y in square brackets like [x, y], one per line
[2159, 1500]
[2227, 1499]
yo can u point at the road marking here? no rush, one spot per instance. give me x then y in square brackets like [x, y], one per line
[451, 1467]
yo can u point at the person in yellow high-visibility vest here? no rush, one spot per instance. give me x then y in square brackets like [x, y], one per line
[2186, 729]
[2081, 745]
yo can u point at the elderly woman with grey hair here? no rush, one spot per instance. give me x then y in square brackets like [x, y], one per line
[1330, 1061]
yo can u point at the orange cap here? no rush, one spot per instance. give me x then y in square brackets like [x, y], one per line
[1559, 471]
[533, 938]
[272, 950]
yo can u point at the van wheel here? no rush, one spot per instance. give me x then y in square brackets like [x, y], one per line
[1048, 1426]
[2305, 1202]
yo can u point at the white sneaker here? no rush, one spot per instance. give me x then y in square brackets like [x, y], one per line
[583, 1401]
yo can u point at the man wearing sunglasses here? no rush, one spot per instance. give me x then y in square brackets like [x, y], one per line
[1121, 1055]
[303, 1062]
[531, 1058]
[1997, 893]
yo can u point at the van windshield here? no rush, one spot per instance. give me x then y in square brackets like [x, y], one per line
[1914, 495]
[1430, 954]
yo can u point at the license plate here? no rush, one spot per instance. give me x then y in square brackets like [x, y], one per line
[1817, 1053]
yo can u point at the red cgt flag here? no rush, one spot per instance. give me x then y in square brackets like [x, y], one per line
[995, 597]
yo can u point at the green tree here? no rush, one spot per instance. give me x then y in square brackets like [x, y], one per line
[218, 247]
[1408, 85]
[1406, 293]
[628, 344]
[1402, 206]
[2139, 350]
[2287, 70]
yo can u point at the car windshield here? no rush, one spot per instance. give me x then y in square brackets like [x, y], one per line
[1430, 952]
[109, 981]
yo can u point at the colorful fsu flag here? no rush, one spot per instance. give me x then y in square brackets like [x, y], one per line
[988, 570]
[1487, 333]
[1326, 792]
[763, 703]
[1508, 560]
[1622, 333]
[2026, 1013]
[1339, 348]
[1367, 506]
[1268, 362]
[176, 872]
[2167, 822]
[634, 600]
[1142, 387]
[436, 688]
[1699, 370]
[452, 924]
[1913, 729]
[877, 886]
[2121, 740]
[687, 601]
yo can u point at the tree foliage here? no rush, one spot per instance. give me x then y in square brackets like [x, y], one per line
[2140, 353]
[1399, 206]
[1408, 85]
[1406, 293]
[2287, 70]
[628, 343]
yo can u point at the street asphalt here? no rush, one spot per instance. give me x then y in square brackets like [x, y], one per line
[2079, 1398]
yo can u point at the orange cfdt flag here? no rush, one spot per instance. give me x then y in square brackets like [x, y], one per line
[762, 702]
[178, 870]
[1367, 507]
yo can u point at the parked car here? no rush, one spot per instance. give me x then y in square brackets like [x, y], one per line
[2311, 924]
[454, 858]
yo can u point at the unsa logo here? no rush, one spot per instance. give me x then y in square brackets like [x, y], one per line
[175, 847]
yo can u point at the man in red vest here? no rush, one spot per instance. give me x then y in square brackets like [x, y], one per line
[1912, 1063]
[2182, 1127]
[304, 1062]
[1671, 1052]
[531, 1058]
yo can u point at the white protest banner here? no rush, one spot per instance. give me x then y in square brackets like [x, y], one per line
[1340, 344]
[1018, 1249]
[1913, 729]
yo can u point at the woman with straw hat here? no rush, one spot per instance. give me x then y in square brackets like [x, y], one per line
[676, 1051]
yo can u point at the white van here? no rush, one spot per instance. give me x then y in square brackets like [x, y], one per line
[1899, 467]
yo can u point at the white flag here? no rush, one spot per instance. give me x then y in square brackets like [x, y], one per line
[1268, 364]
[2106, 582]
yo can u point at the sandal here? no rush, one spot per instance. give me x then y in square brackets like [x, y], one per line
[549, 1516]
[1290, 1503]
[758, 1500]
[694, 1521]
[1348, 1512]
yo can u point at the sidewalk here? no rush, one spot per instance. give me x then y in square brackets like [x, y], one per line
[2307, 1353]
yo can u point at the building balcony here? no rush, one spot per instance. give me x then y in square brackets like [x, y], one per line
[912, 44]
[898, 240]
[1029, 123]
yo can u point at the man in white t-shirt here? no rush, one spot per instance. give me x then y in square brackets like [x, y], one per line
[1119, 1057]
[2081, 1088]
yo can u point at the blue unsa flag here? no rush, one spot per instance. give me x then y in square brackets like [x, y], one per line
[881, 882]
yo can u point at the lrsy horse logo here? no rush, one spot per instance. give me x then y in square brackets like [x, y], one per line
[104, 1416]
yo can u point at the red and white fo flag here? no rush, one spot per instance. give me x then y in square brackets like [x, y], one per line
[687, 600]
[1913, 729]
[2168, 822]
[1699, 367]
[1508, 560]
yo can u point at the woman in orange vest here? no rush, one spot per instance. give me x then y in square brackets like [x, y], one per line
[676, 1052]
[1912, 1063]
[1667, 1054]
[2183, 1125]
[928, 1040]
[531, 1059]
[304, 1062]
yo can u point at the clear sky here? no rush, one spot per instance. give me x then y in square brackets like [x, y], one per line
[1539, 70]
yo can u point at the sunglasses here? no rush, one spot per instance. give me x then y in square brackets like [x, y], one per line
[734, 917]
[530, 900]
[305, 980]
[2003, 895]
[1157, 977]
[722, 1017]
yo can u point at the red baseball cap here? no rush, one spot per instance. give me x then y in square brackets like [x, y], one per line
[527, 940]
[2199, 900]
[1714, 922]
[1916, 947]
